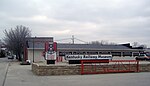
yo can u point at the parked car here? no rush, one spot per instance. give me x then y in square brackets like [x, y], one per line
[143, 57]
[10, 57]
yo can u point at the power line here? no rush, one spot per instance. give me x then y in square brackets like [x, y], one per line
[81, 40]
[73, 40]
[63, 39]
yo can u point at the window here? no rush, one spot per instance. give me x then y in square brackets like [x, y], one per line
[116, 54]
[127, 53]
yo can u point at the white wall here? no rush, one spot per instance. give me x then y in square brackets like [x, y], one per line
[37, 55]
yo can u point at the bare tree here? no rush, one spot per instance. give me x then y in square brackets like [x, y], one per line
[144, 46]
[95, 42]
[135, 44]
[14, 39]
[102, 42]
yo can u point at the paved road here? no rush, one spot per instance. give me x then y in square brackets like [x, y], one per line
[3, 60]
[3, 69]
[21, 75]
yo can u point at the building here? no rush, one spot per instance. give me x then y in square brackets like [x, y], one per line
[115, 50]
[3, 50]
[35, 47]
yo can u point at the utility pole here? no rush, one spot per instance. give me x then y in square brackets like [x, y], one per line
[33, 48]
[72, 39]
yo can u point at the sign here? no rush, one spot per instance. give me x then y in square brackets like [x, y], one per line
[51, 56]
[87, 57]
[50, 50]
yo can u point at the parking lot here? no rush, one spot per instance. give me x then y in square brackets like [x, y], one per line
[21, 75]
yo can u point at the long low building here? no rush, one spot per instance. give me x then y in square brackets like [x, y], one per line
[115, 50]
[36, 46]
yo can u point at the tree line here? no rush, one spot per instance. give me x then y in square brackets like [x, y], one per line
[104, 42]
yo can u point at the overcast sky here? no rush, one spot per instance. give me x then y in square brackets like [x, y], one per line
[118, 21]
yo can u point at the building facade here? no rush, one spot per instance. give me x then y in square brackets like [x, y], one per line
[114, 50]
[36, 46]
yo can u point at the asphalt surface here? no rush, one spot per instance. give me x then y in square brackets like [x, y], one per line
[21, 75]
[3, 70]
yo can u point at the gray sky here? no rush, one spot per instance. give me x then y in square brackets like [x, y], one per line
[118, 21]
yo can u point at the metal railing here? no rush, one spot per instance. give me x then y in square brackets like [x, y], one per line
[113, 66]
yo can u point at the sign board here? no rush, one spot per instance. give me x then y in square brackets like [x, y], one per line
[87, 57]
[51, 56]
[50, 49]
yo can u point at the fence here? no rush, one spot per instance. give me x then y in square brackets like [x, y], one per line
[113, 66]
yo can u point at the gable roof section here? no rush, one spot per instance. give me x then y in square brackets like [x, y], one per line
[39, 39]
[63, 46]
[37, 42]
[91, 47]
[37, 45]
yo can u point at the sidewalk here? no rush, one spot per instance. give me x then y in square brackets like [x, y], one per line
[20, 75]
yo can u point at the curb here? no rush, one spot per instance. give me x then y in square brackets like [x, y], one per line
[5, 75]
